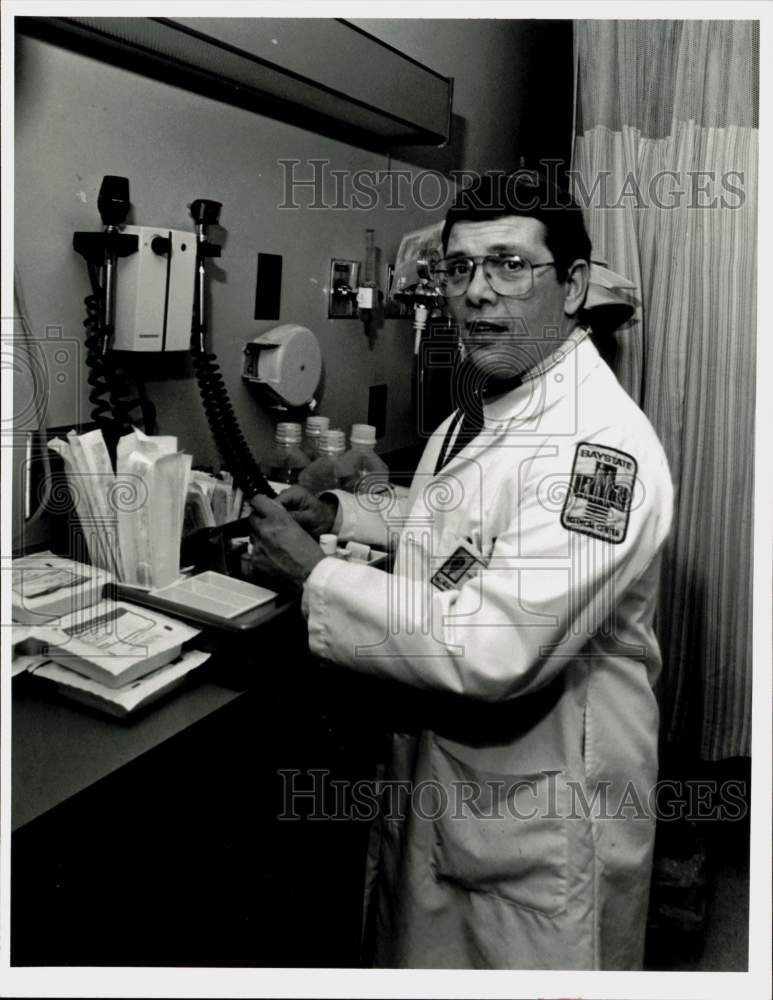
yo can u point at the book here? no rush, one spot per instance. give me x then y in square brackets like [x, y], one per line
[44, 587]
[128, 699]
[114, 642]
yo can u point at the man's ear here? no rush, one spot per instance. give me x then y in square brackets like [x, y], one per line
[576, 286]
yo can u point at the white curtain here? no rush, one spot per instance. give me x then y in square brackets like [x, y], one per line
[667, 131]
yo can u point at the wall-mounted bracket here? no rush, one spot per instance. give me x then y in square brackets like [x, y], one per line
[342, 289]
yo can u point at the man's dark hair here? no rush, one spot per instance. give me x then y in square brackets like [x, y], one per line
[532, 194]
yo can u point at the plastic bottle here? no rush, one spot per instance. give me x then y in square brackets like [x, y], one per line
[361, 468]
[329, 544]
[312, 429]
[285, 460]
[324, 473]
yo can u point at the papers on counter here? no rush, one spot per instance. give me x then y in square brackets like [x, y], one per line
[114, 642]
[127, 699]
[45, 587]
[25, 650]
[23, 662]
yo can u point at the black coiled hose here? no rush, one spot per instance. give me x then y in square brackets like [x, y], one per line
[128, 404]
[231, 444]
[131, 406]
[95, 359]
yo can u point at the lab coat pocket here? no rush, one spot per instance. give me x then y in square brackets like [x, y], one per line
[503, 835]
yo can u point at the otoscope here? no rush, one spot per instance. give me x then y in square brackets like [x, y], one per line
[114, 415]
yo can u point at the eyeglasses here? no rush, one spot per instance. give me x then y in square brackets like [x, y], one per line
[509, 275]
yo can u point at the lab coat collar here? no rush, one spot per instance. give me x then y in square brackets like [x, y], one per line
[547, 383]
[537, 404]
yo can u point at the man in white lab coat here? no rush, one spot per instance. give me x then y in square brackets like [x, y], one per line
[523, 595]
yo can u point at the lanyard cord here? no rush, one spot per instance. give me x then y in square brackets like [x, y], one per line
[443, 456]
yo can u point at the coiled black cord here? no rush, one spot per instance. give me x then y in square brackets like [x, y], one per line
[130, 402]
[95, 359]
[229, 439]
[128, 405]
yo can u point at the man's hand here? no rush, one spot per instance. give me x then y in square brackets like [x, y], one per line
[314, 515]
[282, 550]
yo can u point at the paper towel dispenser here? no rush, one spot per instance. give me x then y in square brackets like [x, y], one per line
[286, 362]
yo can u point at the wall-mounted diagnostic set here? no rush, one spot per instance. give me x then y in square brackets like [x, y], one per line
[164, 282]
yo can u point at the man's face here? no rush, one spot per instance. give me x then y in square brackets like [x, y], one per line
[505, 336]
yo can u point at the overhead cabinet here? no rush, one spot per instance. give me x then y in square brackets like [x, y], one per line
[319, 73]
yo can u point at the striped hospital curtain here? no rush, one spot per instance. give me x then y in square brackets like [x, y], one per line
[667, 119]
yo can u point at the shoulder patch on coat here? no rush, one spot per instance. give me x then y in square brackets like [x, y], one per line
[598, 502]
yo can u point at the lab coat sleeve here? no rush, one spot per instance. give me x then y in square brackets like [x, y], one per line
[363, 519]
[508, 631]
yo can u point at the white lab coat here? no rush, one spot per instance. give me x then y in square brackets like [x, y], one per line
[549, 659]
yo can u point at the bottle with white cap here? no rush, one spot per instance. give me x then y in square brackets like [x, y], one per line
[329, 544]
[324, 473]
[361, 468]
[285, 460]
[312, 429]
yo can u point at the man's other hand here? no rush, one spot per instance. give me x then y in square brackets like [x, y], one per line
[313, 514]
[282, 550]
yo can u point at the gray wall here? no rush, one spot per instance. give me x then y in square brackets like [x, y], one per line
[78, 119]
[512, 82]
